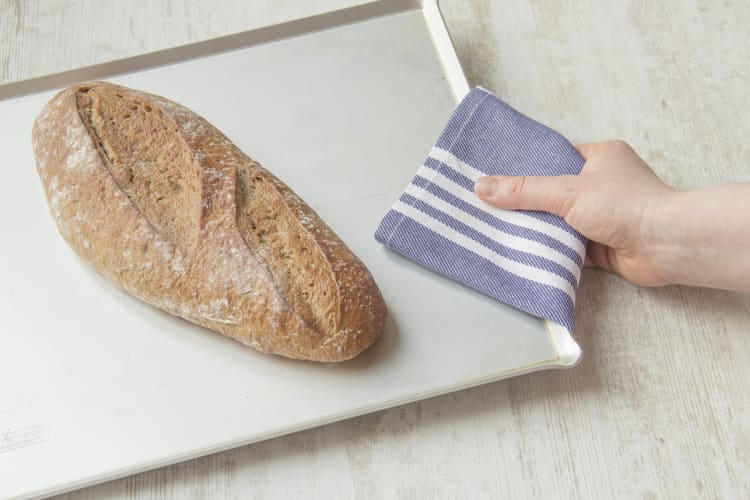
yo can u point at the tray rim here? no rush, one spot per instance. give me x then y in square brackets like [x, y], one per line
[212, 46]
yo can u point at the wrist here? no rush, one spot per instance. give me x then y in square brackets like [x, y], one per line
[668, 248]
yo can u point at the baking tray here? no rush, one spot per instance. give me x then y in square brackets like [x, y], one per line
[342, 106]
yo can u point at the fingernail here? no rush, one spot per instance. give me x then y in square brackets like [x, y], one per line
[485, 186]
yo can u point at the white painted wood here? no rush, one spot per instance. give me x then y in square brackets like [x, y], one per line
[660, 406]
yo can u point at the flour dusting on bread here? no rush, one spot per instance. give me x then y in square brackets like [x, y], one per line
[163, 204]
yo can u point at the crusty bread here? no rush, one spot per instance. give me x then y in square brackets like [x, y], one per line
[163, 204]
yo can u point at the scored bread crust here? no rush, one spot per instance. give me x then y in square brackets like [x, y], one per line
[163, 204]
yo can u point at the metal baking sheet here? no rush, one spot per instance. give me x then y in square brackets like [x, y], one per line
[343, 107]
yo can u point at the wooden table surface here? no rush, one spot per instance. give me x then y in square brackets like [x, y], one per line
[660, 405]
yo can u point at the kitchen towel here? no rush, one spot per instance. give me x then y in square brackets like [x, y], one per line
[527, 259]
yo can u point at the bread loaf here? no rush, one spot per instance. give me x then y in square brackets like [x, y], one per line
[163, 204]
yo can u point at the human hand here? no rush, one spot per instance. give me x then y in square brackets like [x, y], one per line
[615, 202]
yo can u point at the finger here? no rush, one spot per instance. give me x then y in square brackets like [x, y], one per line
[599, 255]
[585, 150]
[615, 147]
[548, 194]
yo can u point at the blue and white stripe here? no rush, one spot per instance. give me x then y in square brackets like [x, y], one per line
[530, 260]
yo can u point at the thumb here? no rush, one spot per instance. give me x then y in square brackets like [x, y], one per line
[547, 194]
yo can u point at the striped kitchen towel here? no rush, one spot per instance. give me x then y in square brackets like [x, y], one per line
[529, 260]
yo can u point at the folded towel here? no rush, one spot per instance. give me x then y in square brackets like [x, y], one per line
[527, 259]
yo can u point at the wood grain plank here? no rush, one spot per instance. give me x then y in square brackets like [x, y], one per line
[658, 408]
